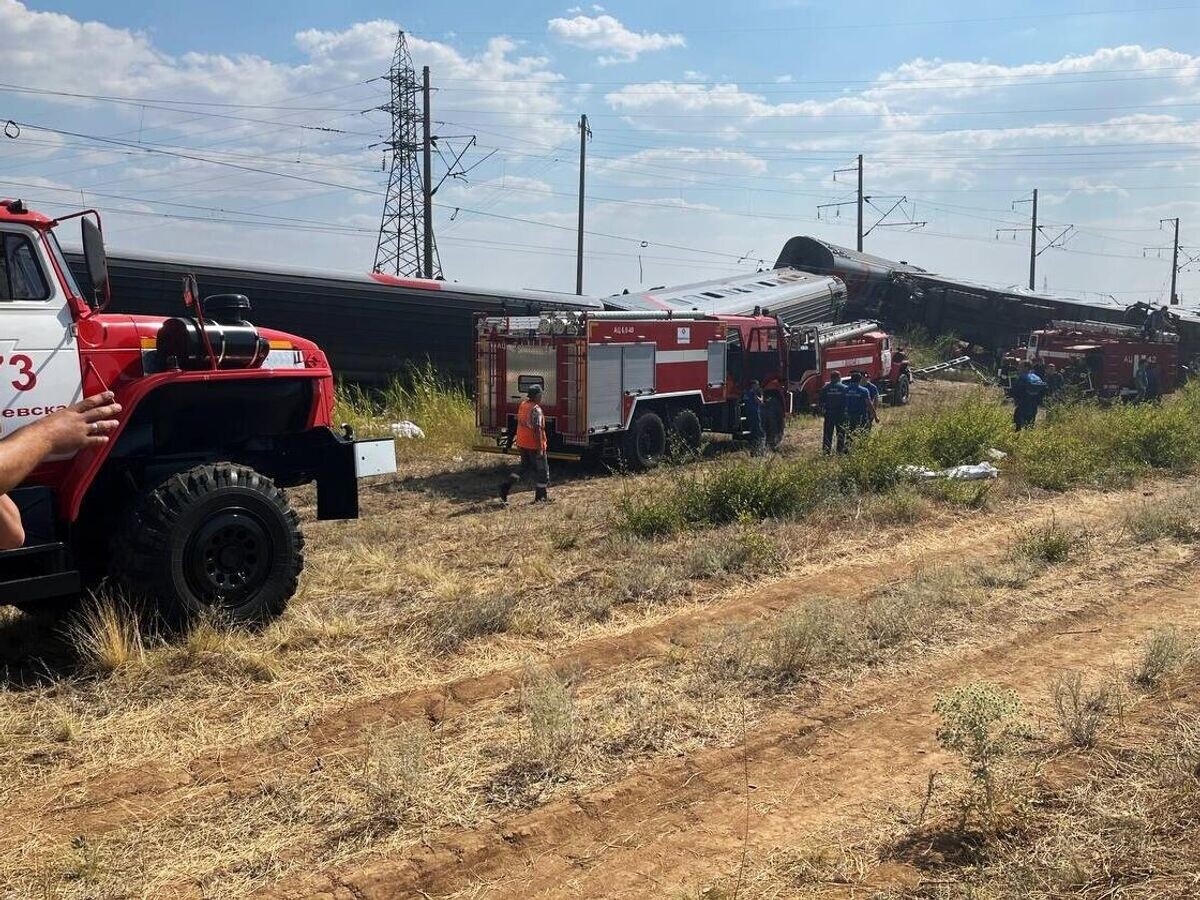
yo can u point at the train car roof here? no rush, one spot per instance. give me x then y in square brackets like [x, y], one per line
[370, 280]
[765, 289]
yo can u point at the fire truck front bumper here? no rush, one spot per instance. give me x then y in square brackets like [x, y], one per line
[337, 463]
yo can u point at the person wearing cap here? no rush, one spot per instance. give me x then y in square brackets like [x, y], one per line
[833, 402]
[530, 439]
[873, 415]
[858, 405]
[1027, 391]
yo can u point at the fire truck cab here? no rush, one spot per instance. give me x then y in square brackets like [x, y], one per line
[184, 505]
[627, 384]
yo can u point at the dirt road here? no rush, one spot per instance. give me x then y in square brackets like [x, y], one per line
[665, 831]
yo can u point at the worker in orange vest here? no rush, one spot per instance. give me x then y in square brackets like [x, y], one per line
[530, 438]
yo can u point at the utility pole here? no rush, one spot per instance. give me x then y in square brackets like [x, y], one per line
[427, 181]
[584, 133]
[1035, 229]
[1174, 258]
[1033, 254]
[860, 203]
[1191, 257]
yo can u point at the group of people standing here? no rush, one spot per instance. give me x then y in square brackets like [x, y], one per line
[851, 407]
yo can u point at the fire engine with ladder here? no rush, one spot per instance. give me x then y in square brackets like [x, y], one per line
[628, 384]
[184, 504]
[1101, 358]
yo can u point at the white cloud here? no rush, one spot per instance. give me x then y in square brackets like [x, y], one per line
[606, 33]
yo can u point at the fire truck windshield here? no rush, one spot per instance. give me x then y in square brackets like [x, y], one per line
[61, 261]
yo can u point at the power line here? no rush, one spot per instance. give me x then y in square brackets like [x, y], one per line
[904, 23]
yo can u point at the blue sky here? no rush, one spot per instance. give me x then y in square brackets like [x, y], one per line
[715, 136]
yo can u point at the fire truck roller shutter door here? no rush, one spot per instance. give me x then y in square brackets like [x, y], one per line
[716, 363]
[637, 368]
[603, 387]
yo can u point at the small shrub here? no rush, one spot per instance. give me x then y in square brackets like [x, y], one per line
[962, 434]
[644, 716]
[548, 709]
[106, 634]
[876, 461]
[1164, 653]
[650, 515]
[1050, 543]
[1081, 711]
[467, 616]
[901, 506]
[1154, 522]
[1054, 460]
[725, 657]
[980, 722]
[959, 492]
[392, 782]
[805, 638]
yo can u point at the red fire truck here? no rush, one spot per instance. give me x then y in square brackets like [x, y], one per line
[818, 350]
[184, 505]
[628, 383]
[1101, 358]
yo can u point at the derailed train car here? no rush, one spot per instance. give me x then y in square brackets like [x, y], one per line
[902, 295]
[370, 326]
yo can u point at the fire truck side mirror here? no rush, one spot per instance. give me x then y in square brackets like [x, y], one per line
[97, 260]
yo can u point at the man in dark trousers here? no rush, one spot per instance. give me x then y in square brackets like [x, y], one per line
[752, 408]
[530, 438]
[1027, 391]
[833, 402]
[870, 386]
[859, 410]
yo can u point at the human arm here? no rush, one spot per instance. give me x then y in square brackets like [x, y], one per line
[537, 421]
[12, 534]
[84, 424]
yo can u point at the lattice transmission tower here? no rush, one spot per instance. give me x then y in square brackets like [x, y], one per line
[402, 229]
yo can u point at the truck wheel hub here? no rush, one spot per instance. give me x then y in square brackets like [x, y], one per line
[229, 558]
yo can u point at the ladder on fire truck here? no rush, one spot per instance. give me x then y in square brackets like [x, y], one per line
[824, 333]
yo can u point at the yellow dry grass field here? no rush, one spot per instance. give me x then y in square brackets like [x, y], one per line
[470, 701]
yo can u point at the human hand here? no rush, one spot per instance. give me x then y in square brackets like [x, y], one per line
[87, 423]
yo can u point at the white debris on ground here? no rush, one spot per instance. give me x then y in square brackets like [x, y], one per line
[978, 472]
[407, 430]
[996, 454]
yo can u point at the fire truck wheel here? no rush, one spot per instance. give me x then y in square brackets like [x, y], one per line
[773, 422]
[645, 442]
[218, 540]
[900, 393]
[686, 431]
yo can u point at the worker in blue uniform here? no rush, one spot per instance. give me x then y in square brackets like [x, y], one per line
[833, 402]
[859, 410]
[1027, 392]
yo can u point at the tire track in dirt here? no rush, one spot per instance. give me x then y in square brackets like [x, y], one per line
[147, 792]
[658, 832]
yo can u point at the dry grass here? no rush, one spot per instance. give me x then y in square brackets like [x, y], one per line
[1119, 817]
[313, 720]
[106, 634]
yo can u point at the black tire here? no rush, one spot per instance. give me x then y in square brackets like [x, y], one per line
[219, 540]
[773, 423]
[686, 431]
[645, 443]
[901, 393]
